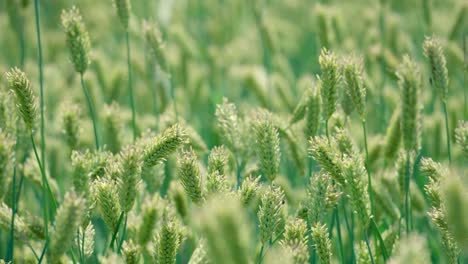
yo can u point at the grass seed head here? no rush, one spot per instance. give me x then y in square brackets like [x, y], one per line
[410, 83]
[77, 39]
[329, 81]
[123, 8]
[439, 74]
[267, 146]
[354, 84]
[190, 176]
[25, 98]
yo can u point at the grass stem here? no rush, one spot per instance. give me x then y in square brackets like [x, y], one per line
[41, 80]
[130, 86]
[369, 179]
[447, 131]
[91, 111]
[407, 191]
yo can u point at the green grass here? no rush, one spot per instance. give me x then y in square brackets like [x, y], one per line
[258, 55]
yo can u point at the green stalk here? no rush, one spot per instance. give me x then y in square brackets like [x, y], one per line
[41, 79]
[124, 232]
[326, 131]
[348, 229]
[171, 79]
[369, 179]
[44, 194]
[41, 258]
[114, 234]
[11, 241]
[338, 229]
[379, 236]
[260, 255]
[91, 111]
[366, 239]
[447, 131]
[130, 86]
[407, 190]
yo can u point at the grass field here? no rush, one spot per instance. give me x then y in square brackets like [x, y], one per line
[233, 132]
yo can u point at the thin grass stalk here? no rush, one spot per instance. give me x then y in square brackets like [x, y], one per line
[338, 229]
[41, 258]
[91, 111]
[114, 234]
[383, 68]
[11, 241]
[465, 73]
[41, 79]
[130, 85]
[366, 239]
[172, 92]
[124, 232]
[349, 229]
[33, 251]
[44, 194]
[407, 190]
[260, 254]
[447, 131]
[379, 237]
[369, 179]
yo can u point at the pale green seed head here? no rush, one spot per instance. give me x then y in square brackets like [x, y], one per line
[438, 66]
[269, 212]
[77, 39]
[327, 157]
[168, 242]
[123, 8]
[218, 160]
[296, 240]
[410, 84]
[329, 81]
[354, 85]
[130, 177]
[190, 176]
[25, 98]
[322, 243]
[163, 145]
[249, 189]
[131, 252]
[68, 220]
[267, 146]
[107, 201]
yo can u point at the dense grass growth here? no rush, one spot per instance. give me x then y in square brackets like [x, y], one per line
[231, 131]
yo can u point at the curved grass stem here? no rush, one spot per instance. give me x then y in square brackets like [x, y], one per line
[91, 111]
[369, 179]
[130, 85]
[41, 79]
[407, 192]
[447, 131]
